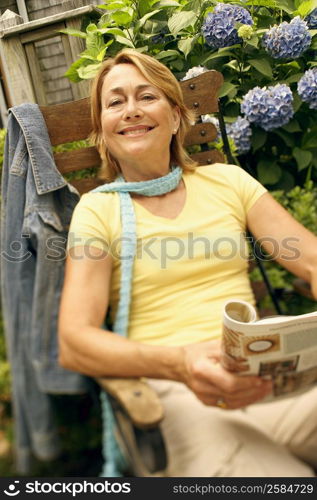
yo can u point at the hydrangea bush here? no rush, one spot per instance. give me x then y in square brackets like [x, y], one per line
[266, 51]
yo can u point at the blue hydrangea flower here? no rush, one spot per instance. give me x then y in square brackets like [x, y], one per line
[311, 20]
[307, 87]
[241, 133]
[287, 40]
[219, 27]
[270, 107]
[195, 71]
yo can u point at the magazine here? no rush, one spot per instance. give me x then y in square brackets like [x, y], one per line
[281, 348]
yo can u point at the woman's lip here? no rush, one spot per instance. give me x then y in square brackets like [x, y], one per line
[129, 131]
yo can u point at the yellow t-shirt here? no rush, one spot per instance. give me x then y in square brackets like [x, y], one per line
[185, 268]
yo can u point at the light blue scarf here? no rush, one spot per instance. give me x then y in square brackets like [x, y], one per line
[114, 462]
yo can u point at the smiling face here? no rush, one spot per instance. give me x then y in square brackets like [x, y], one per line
[137, 123]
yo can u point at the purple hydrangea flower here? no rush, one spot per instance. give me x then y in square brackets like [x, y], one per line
[270, 107]
[195, 71]
[287, 40]
[311, 20]
[307, 87]
[241, 133]
[219, 27]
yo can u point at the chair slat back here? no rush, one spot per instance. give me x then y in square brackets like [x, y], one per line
[71, 121]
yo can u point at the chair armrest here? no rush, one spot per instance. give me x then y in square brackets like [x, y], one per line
[137, 398]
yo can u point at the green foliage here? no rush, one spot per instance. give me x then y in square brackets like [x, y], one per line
[301, 203]
[171, 31]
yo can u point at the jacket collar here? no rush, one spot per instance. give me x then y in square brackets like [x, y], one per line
[31, 122]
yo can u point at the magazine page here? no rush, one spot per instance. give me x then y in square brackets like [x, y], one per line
[283, 348]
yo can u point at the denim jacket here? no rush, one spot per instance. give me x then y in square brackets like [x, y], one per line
[37, 204]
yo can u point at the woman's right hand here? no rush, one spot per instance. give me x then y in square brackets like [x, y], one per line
[214, 384]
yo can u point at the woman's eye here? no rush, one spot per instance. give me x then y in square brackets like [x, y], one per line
[114, 103]
[148, 97]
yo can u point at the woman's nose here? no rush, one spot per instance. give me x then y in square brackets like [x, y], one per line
[132, 110]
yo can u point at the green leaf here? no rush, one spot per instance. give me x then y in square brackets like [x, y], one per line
[287, 138]
[122, 18]
[166, 3]
[292, 126]
[177, 64]
[144, 7]
[181, 20]
[263, 66]
[226, 88]
[186, 45]
[91, 28]
[297, 102]
[124, 41]
[262, 3]
[167, 53]
[216, 55]
[286, 5]
[112, 31]
[259, 137]
[254, 41]
[72, 72]
[88, 72]
[309, 138]
[302, 157]
[113, 5]
[71, 31]
[268, 172]
[306, 7]
[94, 43]
[293, 78]
[147, 16]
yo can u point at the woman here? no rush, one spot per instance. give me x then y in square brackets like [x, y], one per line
[169, 300]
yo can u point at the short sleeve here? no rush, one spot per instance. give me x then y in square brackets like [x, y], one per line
[250, 189]
[245, 187]
[89, 223]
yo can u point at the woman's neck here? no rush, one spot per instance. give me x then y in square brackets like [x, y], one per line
[139, 173]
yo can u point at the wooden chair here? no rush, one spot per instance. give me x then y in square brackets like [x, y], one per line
[133, 400]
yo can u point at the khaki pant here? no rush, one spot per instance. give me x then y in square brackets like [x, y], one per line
[277, 439]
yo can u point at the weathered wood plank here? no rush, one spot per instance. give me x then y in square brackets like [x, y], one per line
[8, 5]
[34, 65]
[17, 71]
[57, 84]
[63, 96]
[38, 23]
[22, 10]
[49, 50]
[10, 20]
[49, 41]
[56, 74]
[51, 62]
[42, 33]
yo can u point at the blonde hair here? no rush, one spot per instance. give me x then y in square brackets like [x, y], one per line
[159, 76]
